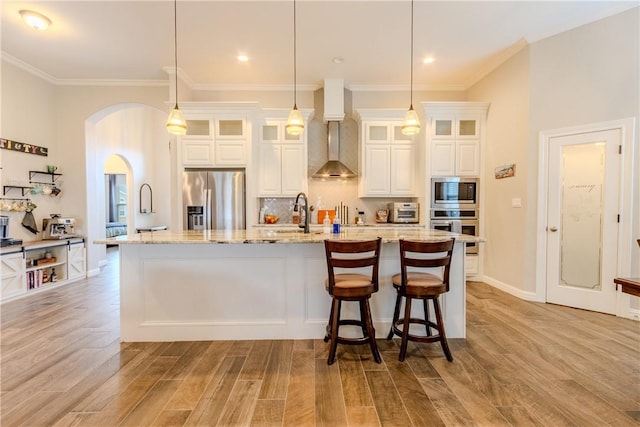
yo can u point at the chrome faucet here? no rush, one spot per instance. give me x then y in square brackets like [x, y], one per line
[306, 211]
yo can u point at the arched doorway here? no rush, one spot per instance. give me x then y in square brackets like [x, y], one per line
[137, 134]
[117, 200]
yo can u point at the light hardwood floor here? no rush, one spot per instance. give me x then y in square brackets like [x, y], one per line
[523, 364]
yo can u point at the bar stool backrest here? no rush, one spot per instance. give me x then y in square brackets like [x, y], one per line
[369, 249]
[408, 257]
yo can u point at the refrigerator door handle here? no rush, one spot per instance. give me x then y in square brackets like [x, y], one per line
[208, 208]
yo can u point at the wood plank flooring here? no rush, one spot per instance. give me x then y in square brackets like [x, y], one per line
[523, 364]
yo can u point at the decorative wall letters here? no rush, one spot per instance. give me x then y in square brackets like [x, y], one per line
[8, 144]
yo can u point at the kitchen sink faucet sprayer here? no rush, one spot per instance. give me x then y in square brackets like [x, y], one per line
[306, 211]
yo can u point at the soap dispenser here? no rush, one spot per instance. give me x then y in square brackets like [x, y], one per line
[326, 223]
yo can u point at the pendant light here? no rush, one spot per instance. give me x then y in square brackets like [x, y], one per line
[295, 124]
[411, 124]
[176, 123]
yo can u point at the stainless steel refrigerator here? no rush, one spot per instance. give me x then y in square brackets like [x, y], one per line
[213, 199]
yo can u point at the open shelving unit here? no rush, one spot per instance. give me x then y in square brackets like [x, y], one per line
[54, 176]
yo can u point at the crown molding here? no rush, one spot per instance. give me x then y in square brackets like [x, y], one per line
[77, 82]
[27, 67]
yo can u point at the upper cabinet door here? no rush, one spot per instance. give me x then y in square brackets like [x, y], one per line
[468, 158]
[377, 181]
[231, 128]
[467, 128]
[197, 151]
[200, 128]
[377, 133]
[443, 128]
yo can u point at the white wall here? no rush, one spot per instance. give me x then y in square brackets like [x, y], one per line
[507, 90]
[27, 105]
[589, 75]
[586, 75]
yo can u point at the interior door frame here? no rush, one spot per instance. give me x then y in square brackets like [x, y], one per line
[625, 202]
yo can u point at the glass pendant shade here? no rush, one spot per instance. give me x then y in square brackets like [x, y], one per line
[295, 124]
[176, 124]
[411, 124]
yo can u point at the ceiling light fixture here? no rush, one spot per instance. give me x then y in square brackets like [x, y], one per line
[295, 124]
[428, 60]
[411, 125]
[243, 58]
[176, 124]
[35, 20]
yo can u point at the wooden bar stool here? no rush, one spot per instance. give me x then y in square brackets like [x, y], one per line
[413, 284]
[358, 287]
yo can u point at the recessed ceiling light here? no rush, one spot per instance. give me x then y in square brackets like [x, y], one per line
[243, 58]
[428, 60]
[337, 60]
[35, 20]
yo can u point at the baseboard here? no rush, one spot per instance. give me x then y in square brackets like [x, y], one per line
[94, 272]
[525, 295]
[102, 263]
[633, 314]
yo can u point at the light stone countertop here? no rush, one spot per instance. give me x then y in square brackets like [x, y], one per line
[259, 236]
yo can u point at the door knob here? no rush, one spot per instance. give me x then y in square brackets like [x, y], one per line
[553, 229]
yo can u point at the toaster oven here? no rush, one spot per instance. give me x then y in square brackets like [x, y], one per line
[404, 213]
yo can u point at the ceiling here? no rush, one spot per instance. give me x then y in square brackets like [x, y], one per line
[107, 41]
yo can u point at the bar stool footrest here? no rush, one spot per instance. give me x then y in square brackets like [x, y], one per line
[419, 338]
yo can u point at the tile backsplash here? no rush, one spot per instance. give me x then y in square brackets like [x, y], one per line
[327, 195]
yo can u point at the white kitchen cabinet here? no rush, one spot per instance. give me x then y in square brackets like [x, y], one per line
[454, 137]
[13, 283]
[197, 152]
[388, 160]
[378, 162]
[31, 269]
[455, 158]
[76, 261]
[403, 178]
[282, 166]
[214, 140]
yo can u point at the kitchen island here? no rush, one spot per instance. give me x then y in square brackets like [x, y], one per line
[255, 284]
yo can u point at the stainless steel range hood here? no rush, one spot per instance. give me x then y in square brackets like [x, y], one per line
[333, 114]
[334, 168]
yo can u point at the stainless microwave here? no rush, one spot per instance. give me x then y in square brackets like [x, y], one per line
[454, 193]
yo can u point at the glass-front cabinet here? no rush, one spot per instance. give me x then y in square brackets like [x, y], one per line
[215, 139]
[387, 162]
[282, 164]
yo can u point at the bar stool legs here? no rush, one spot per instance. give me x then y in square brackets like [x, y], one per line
[368, 332]
[425, 285]
[407, 320]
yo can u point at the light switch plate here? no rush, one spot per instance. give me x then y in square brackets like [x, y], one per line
[516, 202]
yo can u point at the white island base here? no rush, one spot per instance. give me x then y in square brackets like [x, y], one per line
[218, 291]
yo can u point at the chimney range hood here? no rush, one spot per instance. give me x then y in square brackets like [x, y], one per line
[334, 168]
[333, 113]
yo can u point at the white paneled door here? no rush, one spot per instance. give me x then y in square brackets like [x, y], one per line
[583, 197]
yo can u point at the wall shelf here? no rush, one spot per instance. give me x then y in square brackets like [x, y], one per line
[53, 175]
[24, 189]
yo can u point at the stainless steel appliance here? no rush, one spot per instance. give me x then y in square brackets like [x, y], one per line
[5, 240]
[454, 193]
[4, 226]
[213, 199]
[404, 213]
[57, 227]
[461, 226]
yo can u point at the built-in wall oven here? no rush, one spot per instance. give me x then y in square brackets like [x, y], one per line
[454, 207]
[461, 226]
